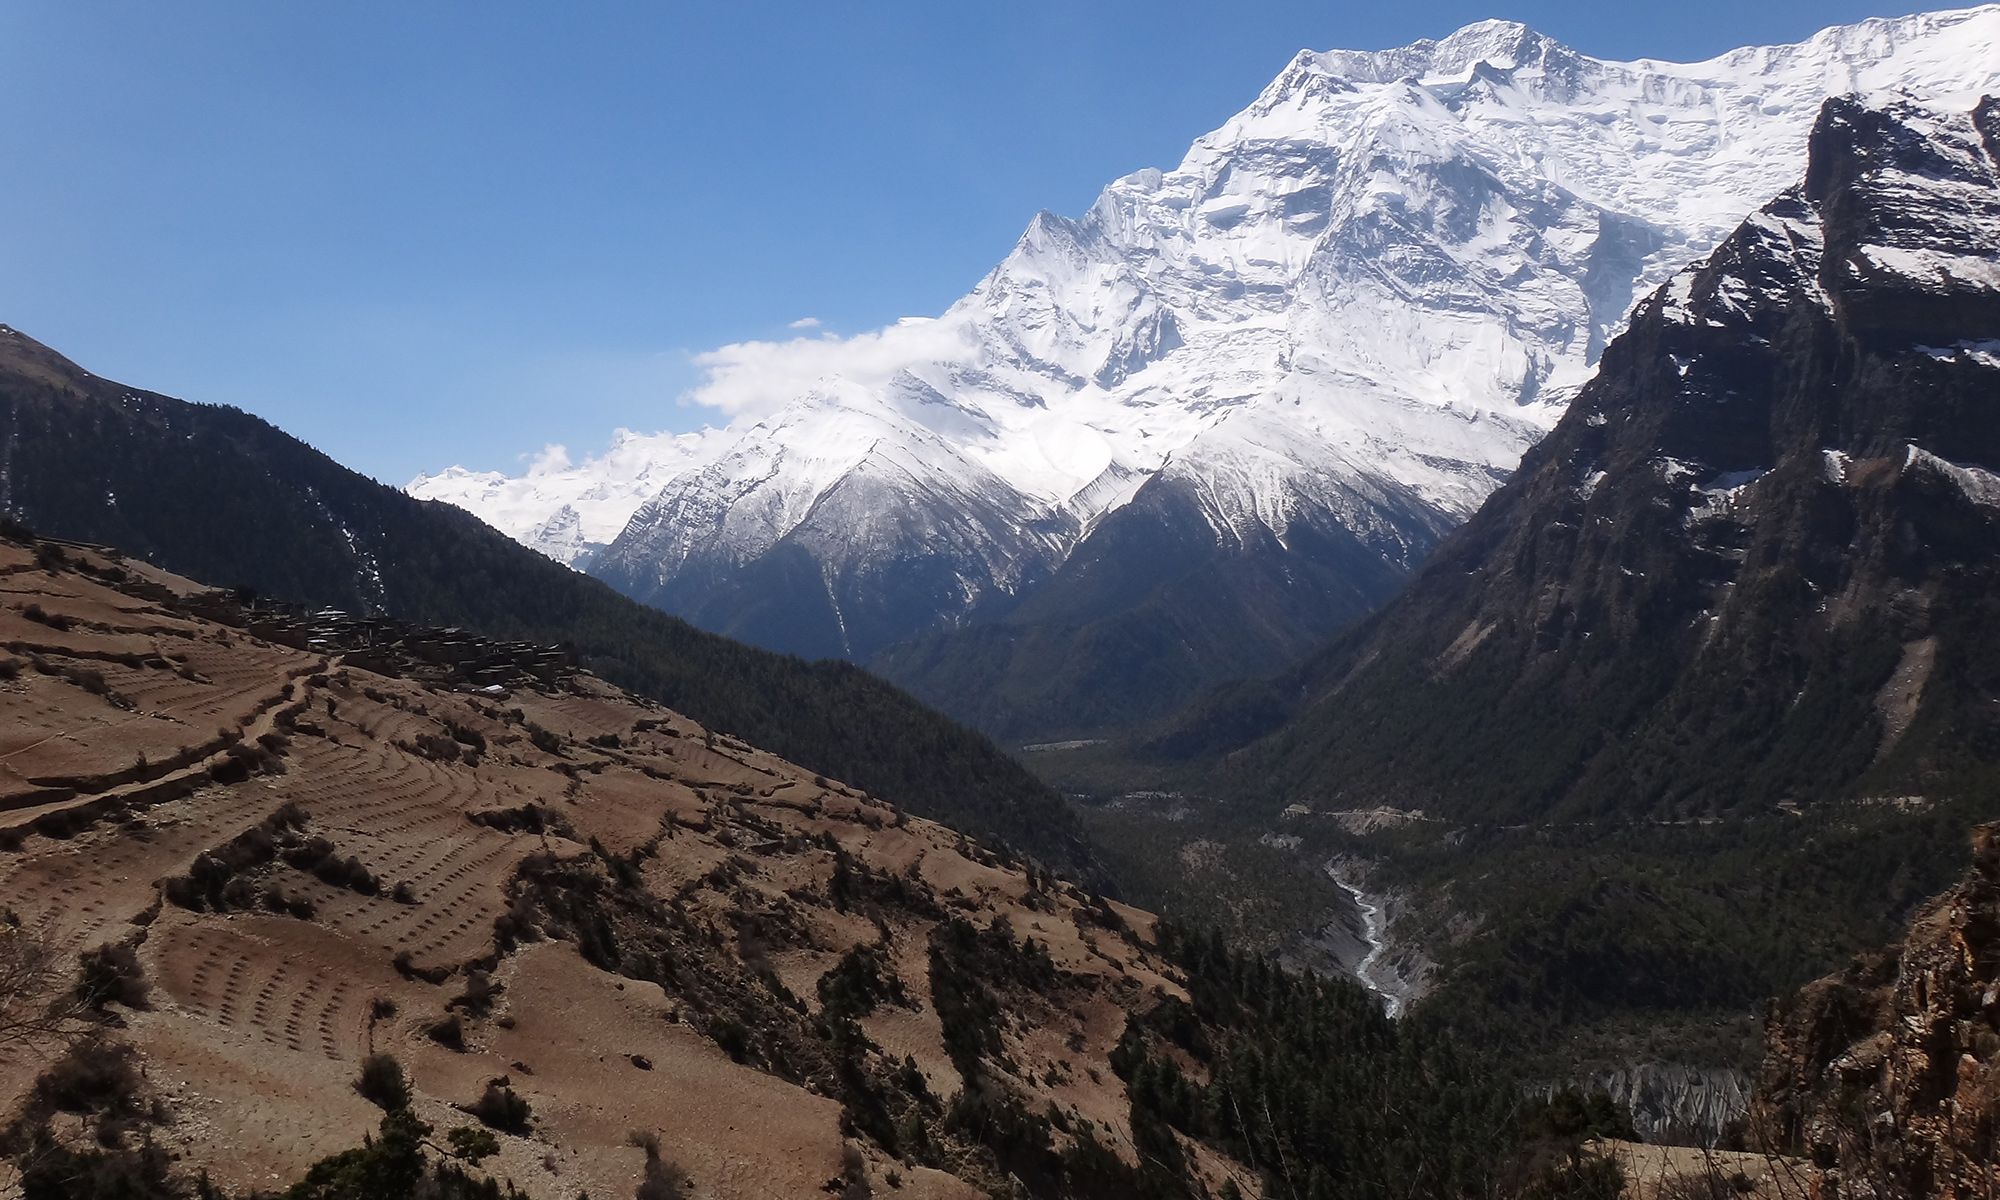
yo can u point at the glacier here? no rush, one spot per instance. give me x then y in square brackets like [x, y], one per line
[1351, 307]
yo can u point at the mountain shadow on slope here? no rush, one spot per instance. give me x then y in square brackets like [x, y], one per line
[214, 493]
[1151, 609]
[1758, 561]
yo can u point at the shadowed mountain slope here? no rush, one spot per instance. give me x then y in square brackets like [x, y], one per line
[1152, 609]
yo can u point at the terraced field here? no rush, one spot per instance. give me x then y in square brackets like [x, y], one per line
[629, 920]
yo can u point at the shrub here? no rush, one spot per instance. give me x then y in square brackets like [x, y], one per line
[52, 1171]
[477, 999]
[449, 1033]
[388, 1167]
[350, 874]
[664, 1180]
[112, 974]
[470, 1144]
[1571, 1117]
[57, 621]
[734, 1039]
[382, 1082]
[1591, 1179]
[469, 737]
[436, 747]
[500, 1108]
[528, 818]
[858, 982]
[405, 965]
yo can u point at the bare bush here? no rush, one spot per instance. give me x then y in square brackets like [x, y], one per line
[96, 1076]
[449, 1033]
[36, 999]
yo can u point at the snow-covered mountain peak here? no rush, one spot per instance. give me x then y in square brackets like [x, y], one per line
[1506, 45]
[1363, 295]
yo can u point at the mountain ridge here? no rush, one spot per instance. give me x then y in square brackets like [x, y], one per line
[1385, 277]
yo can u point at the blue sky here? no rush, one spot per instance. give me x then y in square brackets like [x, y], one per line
[419, 233]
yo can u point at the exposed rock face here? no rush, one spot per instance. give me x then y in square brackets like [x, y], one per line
[1888, 1074]
[1678, 1105]
[1756, 561]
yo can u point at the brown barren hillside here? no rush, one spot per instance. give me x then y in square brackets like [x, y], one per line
[324, 840]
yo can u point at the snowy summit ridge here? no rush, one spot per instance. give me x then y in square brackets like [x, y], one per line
[1349, 309]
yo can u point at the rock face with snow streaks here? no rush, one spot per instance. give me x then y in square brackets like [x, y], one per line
[1298, 357]
[1756, 563]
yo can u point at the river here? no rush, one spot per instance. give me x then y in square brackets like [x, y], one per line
[1374, 931]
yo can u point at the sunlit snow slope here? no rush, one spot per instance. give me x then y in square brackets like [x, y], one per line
[1319, 342]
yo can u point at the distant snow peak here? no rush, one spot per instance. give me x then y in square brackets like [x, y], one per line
[1360, 299]
[569, 510]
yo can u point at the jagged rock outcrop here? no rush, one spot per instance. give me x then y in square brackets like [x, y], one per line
[1888, 1074]
[1678, 1105]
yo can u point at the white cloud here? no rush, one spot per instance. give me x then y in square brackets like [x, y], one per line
[553, 459]
[805, 323]
[757, 378]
